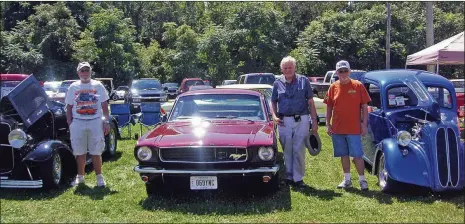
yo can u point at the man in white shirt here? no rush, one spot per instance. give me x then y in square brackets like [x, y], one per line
[87, 116]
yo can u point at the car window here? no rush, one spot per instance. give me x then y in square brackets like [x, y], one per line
[216, 106]
[241, 79]
[401, 96]
[146, 84]
[190, 83]
[441, 95]
[375, 95]
[171, 85]
[261, 79]
[328, 77]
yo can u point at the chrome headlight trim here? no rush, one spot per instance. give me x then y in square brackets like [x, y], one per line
[144, 153]
[403, 138]
[265, 153]
[17, 138]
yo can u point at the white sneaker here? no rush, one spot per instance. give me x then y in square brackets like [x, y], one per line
[345, 184]
[79, 180]
[100, 181]
[363, 185]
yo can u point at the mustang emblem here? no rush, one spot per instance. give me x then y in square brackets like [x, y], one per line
[237, 156]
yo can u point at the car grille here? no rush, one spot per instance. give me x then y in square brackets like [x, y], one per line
[6, 152]
[150, 95]
[203, 155]
[447, 157]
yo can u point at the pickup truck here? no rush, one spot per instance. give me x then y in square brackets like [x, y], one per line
[320, 89]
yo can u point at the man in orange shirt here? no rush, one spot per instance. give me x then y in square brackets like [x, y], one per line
[346, 99]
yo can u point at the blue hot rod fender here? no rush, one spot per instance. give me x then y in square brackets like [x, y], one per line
[413, 168]
[43, 151]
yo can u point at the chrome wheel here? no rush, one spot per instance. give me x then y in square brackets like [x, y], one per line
[56, 166]
[112, 141]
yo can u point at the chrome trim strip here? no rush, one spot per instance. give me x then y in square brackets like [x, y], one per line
[5, 183]
[214, 162]
[458, 158]
[437, 161]
[273, 170]
[201, 146]
[448, 158]
[6, 145]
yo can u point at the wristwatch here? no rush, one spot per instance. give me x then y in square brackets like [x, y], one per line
[105, 120]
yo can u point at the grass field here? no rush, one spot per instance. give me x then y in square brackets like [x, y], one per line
[125, 200]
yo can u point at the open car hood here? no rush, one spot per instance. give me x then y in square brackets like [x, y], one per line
[29, 100]
[425, 99]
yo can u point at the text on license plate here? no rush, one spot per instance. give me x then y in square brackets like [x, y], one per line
[204, 182]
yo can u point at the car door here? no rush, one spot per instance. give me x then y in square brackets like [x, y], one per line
[377, 125]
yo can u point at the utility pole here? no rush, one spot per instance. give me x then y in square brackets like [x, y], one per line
[429, 29]
[388, 36]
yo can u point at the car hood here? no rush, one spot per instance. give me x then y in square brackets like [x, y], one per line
[214, 133]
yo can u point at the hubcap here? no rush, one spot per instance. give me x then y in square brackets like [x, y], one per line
[56, 168]
[112, 137]
[382, 175]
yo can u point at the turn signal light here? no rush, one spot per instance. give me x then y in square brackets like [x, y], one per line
[266, 179]
[145, 179]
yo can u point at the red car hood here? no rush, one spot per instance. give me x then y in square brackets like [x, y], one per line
[217, 133]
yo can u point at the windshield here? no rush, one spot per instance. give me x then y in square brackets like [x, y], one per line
[66, 84]
[218, 106]
[51, 86]
[171, 85]
[190, 83]
[7, 86]
[122, 88]
[261, 79]
[229, 82]
[146, 84]
[411, 93]
[441, 95]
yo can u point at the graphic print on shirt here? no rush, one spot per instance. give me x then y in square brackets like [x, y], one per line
[86, 101]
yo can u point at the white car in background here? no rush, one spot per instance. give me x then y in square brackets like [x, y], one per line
[51, 87]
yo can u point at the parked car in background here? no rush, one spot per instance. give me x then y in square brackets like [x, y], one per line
[51, 87]
[9, 81]
[212, 139]
[120, 92]
[171, 88]
[199, 87]
[412, 138]
[108, 84]
[321, 88]
[207, 82]
[35, 148]
[60, 95]
[228, 82]
[256, 78]
[145, 90]
[188, 82]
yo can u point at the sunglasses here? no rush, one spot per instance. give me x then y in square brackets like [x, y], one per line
[343, 71]
[84, 70]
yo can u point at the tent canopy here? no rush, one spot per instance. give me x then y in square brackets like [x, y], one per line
[446, 52]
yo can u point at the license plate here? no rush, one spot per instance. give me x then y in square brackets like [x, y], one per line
[204, 182]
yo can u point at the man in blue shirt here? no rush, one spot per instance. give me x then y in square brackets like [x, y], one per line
[292, 102]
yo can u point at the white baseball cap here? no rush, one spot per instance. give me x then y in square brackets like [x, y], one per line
[82, 65]
[342, 64]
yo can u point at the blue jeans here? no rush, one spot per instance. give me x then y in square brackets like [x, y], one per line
[347, 145]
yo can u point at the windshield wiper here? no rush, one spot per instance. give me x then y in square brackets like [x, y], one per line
[184, 117]
[235, 117]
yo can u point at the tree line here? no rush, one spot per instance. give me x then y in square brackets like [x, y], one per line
[213, 40]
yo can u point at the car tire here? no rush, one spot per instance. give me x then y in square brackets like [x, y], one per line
[154, 187]
[386, 183]
[51, 171]
[115, 97]
[111, 142]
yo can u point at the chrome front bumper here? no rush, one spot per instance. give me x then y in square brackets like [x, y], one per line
[273, 170]
[6, 183]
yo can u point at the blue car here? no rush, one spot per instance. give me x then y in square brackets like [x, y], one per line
[413, 134]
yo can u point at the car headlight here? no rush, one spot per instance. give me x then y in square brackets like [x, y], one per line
[144, 153]
[404, 138]
[265, 153]
[17, 138]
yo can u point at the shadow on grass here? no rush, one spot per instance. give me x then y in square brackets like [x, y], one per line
[409, 193]
[31, 194]
[326, 195]
[96, 193]
[245, 199]
[116, 157]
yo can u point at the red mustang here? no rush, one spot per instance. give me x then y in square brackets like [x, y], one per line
[211, 137]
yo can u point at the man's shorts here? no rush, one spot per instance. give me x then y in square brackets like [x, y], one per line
[347, 145]
[87, 135]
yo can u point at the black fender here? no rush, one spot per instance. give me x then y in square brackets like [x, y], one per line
[43, 151]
